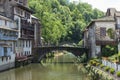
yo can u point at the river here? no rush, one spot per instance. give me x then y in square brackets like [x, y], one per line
[51, 70]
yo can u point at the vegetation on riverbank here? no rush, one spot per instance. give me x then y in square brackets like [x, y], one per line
[107, 69]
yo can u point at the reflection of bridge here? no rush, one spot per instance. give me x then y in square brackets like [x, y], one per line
[40, 52]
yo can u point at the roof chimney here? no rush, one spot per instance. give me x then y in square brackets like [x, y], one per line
[110, 12]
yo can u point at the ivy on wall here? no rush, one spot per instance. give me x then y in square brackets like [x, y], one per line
[110, 33]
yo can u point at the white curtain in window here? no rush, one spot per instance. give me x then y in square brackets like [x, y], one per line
[3, 22]
[0, 22]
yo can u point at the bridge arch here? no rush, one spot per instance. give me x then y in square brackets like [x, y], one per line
[40, 52]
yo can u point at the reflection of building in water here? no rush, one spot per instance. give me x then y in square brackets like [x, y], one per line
[8, 75]
[23, 73]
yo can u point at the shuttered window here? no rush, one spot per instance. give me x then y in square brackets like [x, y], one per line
[102, 31]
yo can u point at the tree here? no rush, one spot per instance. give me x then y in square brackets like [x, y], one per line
[62, 21]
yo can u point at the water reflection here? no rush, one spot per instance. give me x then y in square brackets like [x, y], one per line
[47, 71]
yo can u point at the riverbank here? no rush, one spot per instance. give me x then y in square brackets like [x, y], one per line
[96, 68]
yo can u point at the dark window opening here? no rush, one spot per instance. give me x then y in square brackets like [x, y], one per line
[103, 31]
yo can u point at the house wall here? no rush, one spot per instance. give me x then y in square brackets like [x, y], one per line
[23, 48]
[118, 31]
[7, 60]
[85, 38]
[98, 50]
[106, 25]
[91, 40]
[117, 20]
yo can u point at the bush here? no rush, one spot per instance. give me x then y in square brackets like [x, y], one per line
[118, 73]
[101, 66]
[97, 64]
[112, 70]
[107, 68]
[92, 62]
[119, 58]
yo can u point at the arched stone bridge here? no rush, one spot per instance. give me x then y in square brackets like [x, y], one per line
[40, 52]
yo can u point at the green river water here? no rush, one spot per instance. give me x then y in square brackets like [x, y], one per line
[57, 68]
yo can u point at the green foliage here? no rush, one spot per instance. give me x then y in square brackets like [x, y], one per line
[107, 68]
[82, 58]
[110, 33]
[93, 63]
[109, 50]
[101, 66]
[62, 21]
[118, 73]
[80, 43]
[112, 70]
[49, 55]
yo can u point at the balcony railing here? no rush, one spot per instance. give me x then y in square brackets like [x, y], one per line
[27, 36]
[3, 37]
[106, 42]
[26, 25]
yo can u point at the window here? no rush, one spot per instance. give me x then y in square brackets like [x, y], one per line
[23, 43]
[102, 31]
[25, 53]
[5, 23]
[29, 43]
[27, 15]
[5, 51]
[2, 23]
[11, 49]
[16, 44]
[21, 54]
[20, 43]
[26, 44]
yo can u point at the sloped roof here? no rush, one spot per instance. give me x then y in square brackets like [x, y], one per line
[26, 8]
[107, 18]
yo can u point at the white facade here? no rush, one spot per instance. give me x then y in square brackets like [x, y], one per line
[23, 48]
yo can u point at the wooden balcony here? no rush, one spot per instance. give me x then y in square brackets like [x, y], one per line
[26, 25]
[27, 36]
[106, 42]
[21, 58]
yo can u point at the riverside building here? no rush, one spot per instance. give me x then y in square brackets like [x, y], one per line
[27, 25]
